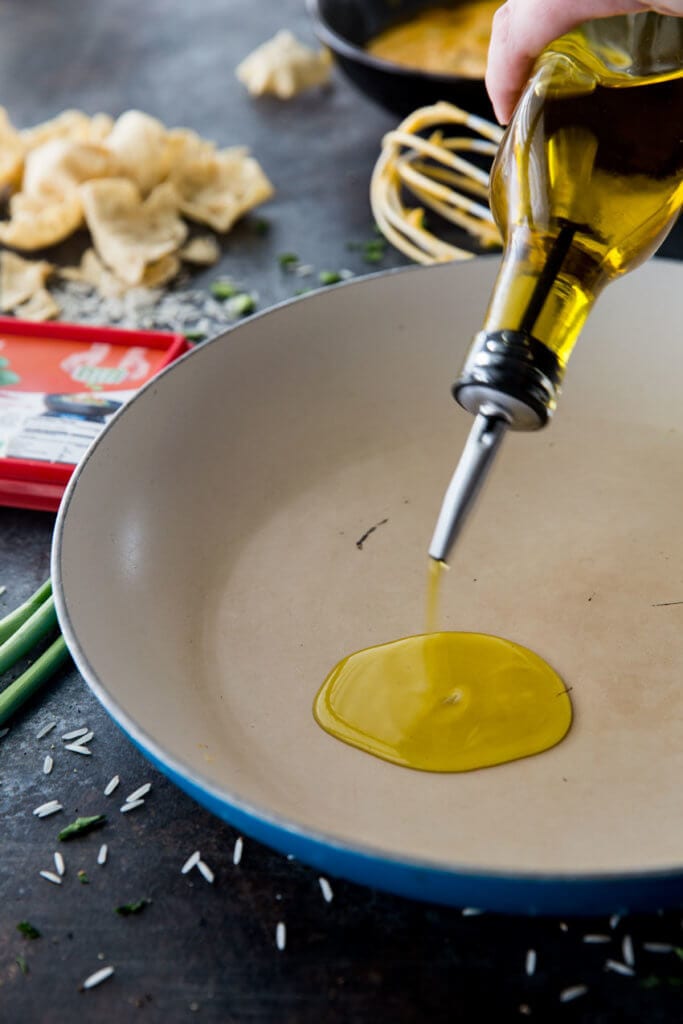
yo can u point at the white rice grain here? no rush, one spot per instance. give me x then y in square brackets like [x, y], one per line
[627, 951]
[87, 738]
[658, 947]
[75, 733]
[139, 793]
[564, 927]
[111, 785]
[131, 806]
[614, 920]
[76, 748]
[573, 992]
[59, 864]
[594, 939]
[206, 871]
[530, 963]
[191, 861]
[98, 977]
[281, 935]
[51, 877]
[51, 807]
[237, 852]
[471, 912]
[45, 730]
[3, 732]
[619, 968]
[102, 854]
[326, 890]
[48, 765]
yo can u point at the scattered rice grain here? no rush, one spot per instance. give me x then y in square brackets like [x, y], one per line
[75, 733]
[131, 806]
[619, 968]
[614, 920]
[48, 765]
[76, 748]
[564, 927]
[139, 793]
[594, 939]
[658, 947]
[627, 951]
[45, 730]
[111, 785]
[51, 807]
[471, 911]
[59, 864]
[326, 890]
[530, 963]
[3, 732]
[237, 852]
[281, 935]
[102, 854]
[205, 870]
[87, 738]
[573, 992]
[98, 977]
[191, 861]
[51, 877]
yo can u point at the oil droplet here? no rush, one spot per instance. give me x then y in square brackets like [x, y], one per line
[445, 702]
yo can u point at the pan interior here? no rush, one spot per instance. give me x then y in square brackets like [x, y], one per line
[210, 575]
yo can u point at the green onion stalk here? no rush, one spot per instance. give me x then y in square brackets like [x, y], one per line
[21, 631]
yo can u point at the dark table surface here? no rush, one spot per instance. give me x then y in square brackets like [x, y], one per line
[202, 951]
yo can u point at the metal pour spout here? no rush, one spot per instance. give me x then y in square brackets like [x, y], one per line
[475, 462]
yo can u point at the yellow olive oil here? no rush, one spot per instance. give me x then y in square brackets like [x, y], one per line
[445, 702]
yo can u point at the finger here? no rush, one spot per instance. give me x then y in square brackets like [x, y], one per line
[523, 28]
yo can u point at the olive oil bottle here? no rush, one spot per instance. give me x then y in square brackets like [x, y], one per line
[586, 185]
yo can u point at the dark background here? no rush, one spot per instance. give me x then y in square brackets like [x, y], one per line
[208, 952]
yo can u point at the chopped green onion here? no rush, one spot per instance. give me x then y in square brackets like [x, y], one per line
[194, 336]
[329, 277]
[80, 826]
[23, 966]
[42, 670]
[288, 259]
[223, 289]
[28, 930]
[132, 908]
[242, 304]
[83, 878]
[261, 226]
[10, 624]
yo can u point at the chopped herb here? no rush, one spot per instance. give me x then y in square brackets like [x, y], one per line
[194, 336]
[288, 260]
[242, 304]
[132, 908]
[23, 966]
[83, 878]
[678, 950]
[81, 826]
[28, 930]
[373, 251]
[329, 277]
[261, 226]
[223, 289]
[650, 982]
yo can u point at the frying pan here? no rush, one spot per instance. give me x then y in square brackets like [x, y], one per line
[208, 577]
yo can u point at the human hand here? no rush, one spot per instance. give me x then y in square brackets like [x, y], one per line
[522, 28]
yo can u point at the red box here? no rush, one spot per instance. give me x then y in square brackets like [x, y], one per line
[60, 384]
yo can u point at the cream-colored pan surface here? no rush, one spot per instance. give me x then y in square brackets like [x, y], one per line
[210, 575]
